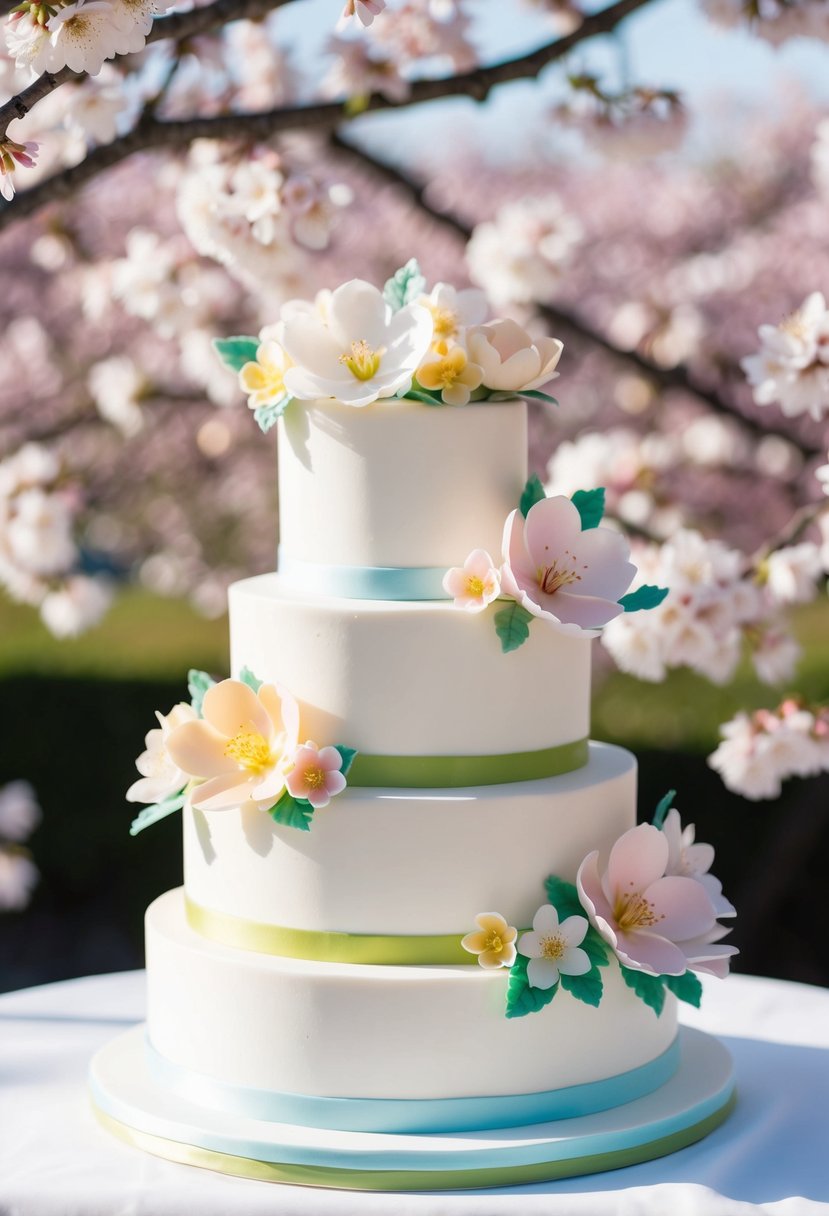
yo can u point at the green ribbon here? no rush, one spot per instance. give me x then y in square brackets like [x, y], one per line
[445, 772]
[326, 947]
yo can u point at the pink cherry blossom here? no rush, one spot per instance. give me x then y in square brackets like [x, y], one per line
[570, 577]
[316, 775]
[474, 584]
[658, 923]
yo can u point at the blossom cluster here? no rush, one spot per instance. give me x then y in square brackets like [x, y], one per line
[358, 345]
[13, 154]
[760, 751]
[40, 562]
[716, 602]
[236, 745]
[792, 365]
[521, 255]
[636, 123]
[773, 20]
[19, 816]
[79, 35]
[655, 903]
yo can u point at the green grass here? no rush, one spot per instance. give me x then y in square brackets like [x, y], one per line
[146, 638]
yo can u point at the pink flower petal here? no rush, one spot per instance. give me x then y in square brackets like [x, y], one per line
[198, 748]
[585, 610]
[637, 859]
[591, 893]
[604, 563]
[552, 526]
[515, 551]
[330, 760]
[682, 906]
[335, 784]
[479, 564]
[232, 706]
[650, 952]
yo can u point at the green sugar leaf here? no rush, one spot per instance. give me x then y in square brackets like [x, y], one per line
[267, 415]
[198, 683]
[347, 754]
[236, 352]
[662, 808]
[149, 815]
[405, 285]
[533, 493]
[293, 812]
[649, 988]
[587, 987]
[564, 897]
[512, 624]
[643, 597]
[247, 677]
[521, 998]
[535, 395]
[685, 987]
[590, 506]
[418, 394]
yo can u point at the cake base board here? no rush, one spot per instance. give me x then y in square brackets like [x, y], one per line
[130, 1104]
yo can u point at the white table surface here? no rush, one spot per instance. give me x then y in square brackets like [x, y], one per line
[771, 1156]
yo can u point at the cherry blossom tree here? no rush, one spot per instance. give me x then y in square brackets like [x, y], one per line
[174, 177]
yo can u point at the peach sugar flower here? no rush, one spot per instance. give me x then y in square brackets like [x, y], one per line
[493, 941]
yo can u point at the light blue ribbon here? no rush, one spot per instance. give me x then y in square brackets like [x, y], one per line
[364, 582]
[413, 1115]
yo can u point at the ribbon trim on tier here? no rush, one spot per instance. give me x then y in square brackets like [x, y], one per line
[363, 582]
[452, 772]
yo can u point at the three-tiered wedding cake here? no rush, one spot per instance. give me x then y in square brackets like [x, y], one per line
[369, 1003]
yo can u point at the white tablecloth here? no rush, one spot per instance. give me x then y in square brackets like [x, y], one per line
[771, 1156]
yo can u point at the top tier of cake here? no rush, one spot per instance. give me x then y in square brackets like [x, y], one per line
[394, 486]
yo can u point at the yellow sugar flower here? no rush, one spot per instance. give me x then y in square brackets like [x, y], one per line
[449, 372]
[494, 941]
[264, 380]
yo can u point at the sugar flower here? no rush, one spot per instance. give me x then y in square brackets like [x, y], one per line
[474, 584]
[570, 577]
[693, 859]
[452, 311]
[645, 915]
[264, 380]
[362, 351]
[160, 776]
[242, 748]
[493, 941]
[316, 775]
[553, 947]
[449, 372]
[510, 359]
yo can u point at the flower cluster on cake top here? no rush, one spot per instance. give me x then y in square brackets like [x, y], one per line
[357, 345]
[654, 906]
[236, 744]
[557, 565]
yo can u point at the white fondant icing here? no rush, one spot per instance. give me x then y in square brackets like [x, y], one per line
[411, 861]
[410, 678]
[341, 1030]
[398, 483]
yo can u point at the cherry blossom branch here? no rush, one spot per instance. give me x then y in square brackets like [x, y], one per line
[179, 26]
[151, 132]
[791, 532]
[667, 378]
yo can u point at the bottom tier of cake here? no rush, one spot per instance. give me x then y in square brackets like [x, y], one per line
[131, 1103]
[385, 1049]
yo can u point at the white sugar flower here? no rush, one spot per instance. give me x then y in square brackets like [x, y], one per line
[160, 776]
[791, 573]
[362, 352]
[510, 359]
[792, 366]
[453, 311]
[553, 947]
[19, 810]
[18, 878]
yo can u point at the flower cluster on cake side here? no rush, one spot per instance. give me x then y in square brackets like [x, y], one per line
[357, 345]
[654, 907]
[237, 743]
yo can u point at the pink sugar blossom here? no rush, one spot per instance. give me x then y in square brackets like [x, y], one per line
[474, 584]
[571, 577]
[658, 923]
[316, 775]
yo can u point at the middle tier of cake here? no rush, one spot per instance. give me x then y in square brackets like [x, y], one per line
[397, 861]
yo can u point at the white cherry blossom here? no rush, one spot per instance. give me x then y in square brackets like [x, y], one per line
[791, 573]
[792, 366]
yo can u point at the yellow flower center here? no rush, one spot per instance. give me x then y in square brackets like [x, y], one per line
[632, 911]
[474, 585]
[445, 322]
[795, 325]
[494, 942]
[553, 947]
[315, 778]
[251, 750]
[363, 361]
[550, 579]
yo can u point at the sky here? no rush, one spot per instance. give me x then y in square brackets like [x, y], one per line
[668, 44]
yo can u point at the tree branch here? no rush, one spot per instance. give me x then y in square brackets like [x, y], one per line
[666, 378]
[149, 132]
